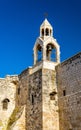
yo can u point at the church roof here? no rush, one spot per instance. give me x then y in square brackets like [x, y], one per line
[46, 24]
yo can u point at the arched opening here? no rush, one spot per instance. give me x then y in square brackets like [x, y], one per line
[5, 104]
[51, 52]
[47, 32]
[42, 32]
[39, 53]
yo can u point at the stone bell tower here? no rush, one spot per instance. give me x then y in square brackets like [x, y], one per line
[42, 99]
[46, 48]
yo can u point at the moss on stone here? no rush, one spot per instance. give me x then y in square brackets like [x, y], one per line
[1, 124]
[14, 117]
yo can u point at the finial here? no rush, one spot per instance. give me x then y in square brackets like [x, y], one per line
[45, 15]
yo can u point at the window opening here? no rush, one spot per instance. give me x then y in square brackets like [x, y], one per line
[64, 92]
[5, 104]
[47, 32]
[18, 91]
[42, 32]
[32, 99]
[52, 95]
[51, 53]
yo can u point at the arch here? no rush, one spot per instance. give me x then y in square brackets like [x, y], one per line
[39, 52]
[55, 50]
[42, 32]
[47, 32]
[51, 52]
[5, 103]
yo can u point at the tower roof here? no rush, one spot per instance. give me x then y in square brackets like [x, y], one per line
[46, 24]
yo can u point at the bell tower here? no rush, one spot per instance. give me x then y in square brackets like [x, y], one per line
[42, 97]
[46, 48]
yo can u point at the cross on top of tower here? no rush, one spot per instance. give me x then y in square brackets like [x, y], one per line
[46, 48]
[45, 15]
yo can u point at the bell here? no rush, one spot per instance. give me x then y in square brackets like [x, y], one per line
[49, 48]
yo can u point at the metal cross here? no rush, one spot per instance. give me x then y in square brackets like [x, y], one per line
[45, 15]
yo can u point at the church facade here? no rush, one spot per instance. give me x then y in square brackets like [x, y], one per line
[46, 96]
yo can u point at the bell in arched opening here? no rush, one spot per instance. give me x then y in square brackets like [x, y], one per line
[51, 52]
[46, 47]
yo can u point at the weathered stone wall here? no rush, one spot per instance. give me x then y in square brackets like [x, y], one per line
[42, 101]
[12, 117]
[8, 92]
[23, 87]
[49, 100]
[34, 101]
[69, 93]
[20, 123]
[22, 94]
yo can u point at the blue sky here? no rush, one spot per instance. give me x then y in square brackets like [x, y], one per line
[20, 22]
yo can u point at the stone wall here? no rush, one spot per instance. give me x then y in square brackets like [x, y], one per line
[23, 94]
[23, 87]
[34, 101]
[12, 114]
[69, 93]
[42, 101]
[49, 100]
[7, 99]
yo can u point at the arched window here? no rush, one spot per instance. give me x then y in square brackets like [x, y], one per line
[51, 52]
[5, 104]
[39, 53]
[42, 32]
[47, 32]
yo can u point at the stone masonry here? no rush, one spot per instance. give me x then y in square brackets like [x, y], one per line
[46, 96]
[10, 111]
[69, 93]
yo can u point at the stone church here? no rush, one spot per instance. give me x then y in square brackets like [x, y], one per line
[46, 96]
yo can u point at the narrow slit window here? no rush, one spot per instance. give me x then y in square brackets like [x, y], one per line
[64, 92]
[32, 99]
[18, 91]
